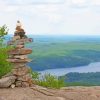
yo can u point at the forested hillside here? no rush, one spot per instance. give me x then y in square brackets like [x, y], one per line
[50, 52]
[64, 55]
[82, 79]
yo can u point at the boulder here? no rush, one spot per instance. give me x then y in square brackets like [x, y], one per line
[7, 81]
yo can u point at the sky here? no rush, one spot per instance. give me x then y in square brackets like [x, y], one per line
[52, 17]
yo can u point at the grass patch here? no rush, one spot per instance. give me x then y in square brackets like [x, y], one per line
[5, 67]
[51, 81]
[47, 80]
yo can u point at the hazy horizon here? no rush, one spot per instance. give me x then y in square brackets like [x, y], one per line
[58, 35]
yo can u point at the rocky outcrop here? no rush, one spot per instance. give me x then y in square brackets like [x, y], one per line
[40, 93]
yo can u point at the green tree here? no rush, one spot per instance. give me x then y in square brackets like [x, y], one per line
[5, 67]
[3, 32]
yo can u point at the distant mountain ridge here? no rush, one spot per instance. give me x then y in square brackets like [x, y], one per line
[82, 79]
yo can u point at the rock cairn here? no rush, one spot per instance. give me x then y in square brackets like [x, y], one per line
[20, 75]
[18, 57]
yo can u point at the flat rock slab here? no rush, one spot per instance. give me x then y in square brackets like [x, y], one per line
[26, 40]
[74, 93]
[17, 40]
[7, 81]
[19, 60]
[20, 57]
[19, 46]
[22, 51]
[25, 94]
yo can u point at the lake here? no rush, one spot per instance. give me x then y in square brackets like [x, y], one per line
[93, 67]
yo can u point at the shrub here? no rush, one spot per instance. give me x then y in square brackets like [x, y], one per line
[5, 67]
[48, 80]
[51, 81]
[3, 32]
[35, 75]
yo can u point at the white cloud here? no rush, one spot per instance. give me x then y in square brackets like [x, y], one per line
[95, 2]
[11, 9]
[52, 16]
[78, 1]
[33, 2]
[51, 13]
[2, 5]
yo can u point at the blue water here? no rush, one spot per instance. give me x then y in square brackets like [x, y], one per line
[93, 67]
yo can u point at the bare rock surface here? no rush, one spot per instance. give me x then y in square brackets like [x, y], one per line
[40, 93]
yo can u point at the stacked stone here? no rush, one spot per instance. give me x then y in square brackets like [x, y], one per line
[18, 58]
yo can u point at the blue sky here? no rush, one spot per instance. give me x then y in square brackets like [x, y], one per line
[68, 17]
